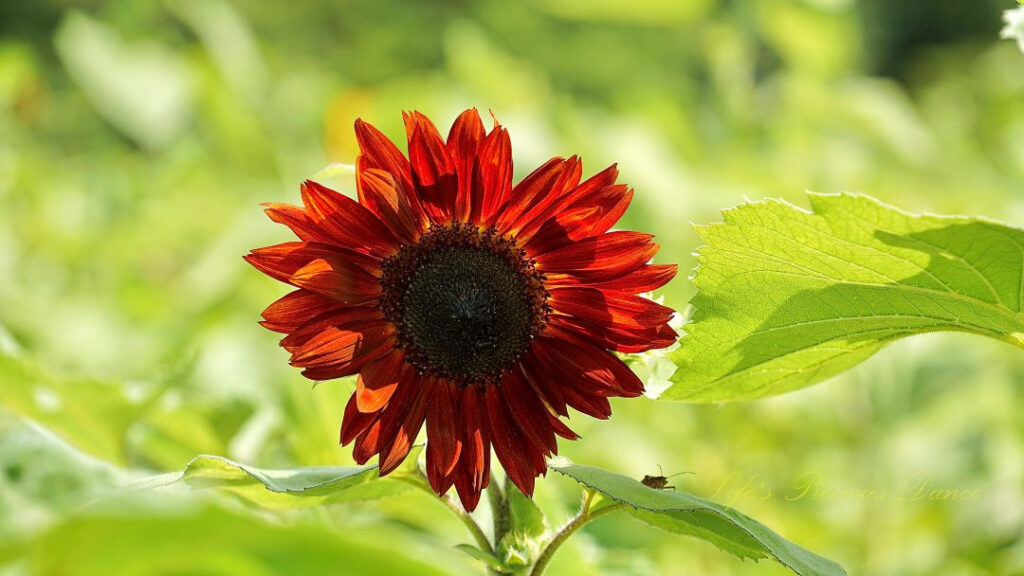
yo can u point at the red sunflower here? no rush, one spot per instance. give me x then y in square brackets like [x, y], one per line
[482, 309]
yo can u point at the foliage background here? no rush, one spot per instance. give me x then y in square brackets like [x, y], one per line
[137, 139]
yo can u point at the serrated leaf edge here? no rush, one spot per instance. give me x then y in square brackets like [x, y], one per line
[709, 510]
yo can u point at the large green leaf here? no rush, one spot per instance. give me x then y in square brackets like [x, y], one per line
[683, 513]
[92, 415]
[95, 415]
[189, 540]
[143, 90]
[292, 487]
[787, 298]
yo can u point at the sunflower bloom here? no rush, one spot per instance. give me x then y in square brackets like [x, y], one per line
[478, 308]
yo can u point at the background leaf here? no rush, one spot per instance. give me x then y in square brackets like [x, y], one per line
[724, 527]
[91, 414]
[486, 557]
[787, 298]
[217, 543]
[142, 90]
[518, 546]
[118, 422]
[526, 516]
[292, 487]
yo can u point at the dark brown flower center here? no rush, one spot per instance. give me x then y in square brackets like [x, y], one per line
[466, 303]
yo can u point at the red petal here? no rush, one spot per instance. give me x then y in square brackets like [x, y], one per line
[524, 194]
[562, 195]
[606, 308]
[377, 382]
[283, 260]
[492, 184]
[343, 316]
[586, 368]
[611, 204]
[584, 193]
[346, 286]
[645, 279]
[534, 195]
[548, 391]
[561, 429]
[556, 369]
[368, 442]
[628, 341]
[295, 309]
[444, 443]
[433, 169]
[336, 345]
[581, 218]
[528, 412]
[378, 191]
[408, 428]
[589, 404]
[354, 422]
[601, 257]
[349, 222]
[473, 472]
[380, 153]
[338, 352]
[463, 140]
[512, 448]
[320, 269]
[385, 436]
[300, 223]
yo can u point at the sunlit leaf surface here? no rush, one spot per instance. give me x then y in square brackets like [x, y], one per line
[204, 540]
[720, 525]
[91, 414]
[293, 487]
[788, 297]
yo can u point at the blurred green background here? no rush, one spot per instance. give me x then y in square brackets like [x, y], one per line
[138, 138]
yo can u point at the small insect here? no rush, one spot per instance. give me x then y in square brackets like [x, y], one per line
[660, 482]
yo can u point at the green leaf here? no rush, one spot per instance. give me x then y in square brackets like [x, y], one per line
[95, 415]
[517, 548]
[91, 415]
[683, 513]
[486, 557]
[292, 487]
[527, 518]
[334, 170]
[143, 90]
[184, 539]
[787, 298]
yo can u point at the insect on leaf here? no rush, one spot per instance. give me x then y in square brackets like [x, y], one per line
[726, 528]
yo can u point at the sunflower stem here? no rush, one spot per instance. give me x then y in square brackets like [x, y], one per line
[585, 516]
[419, 481]
[469, 522]
[498, 499]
